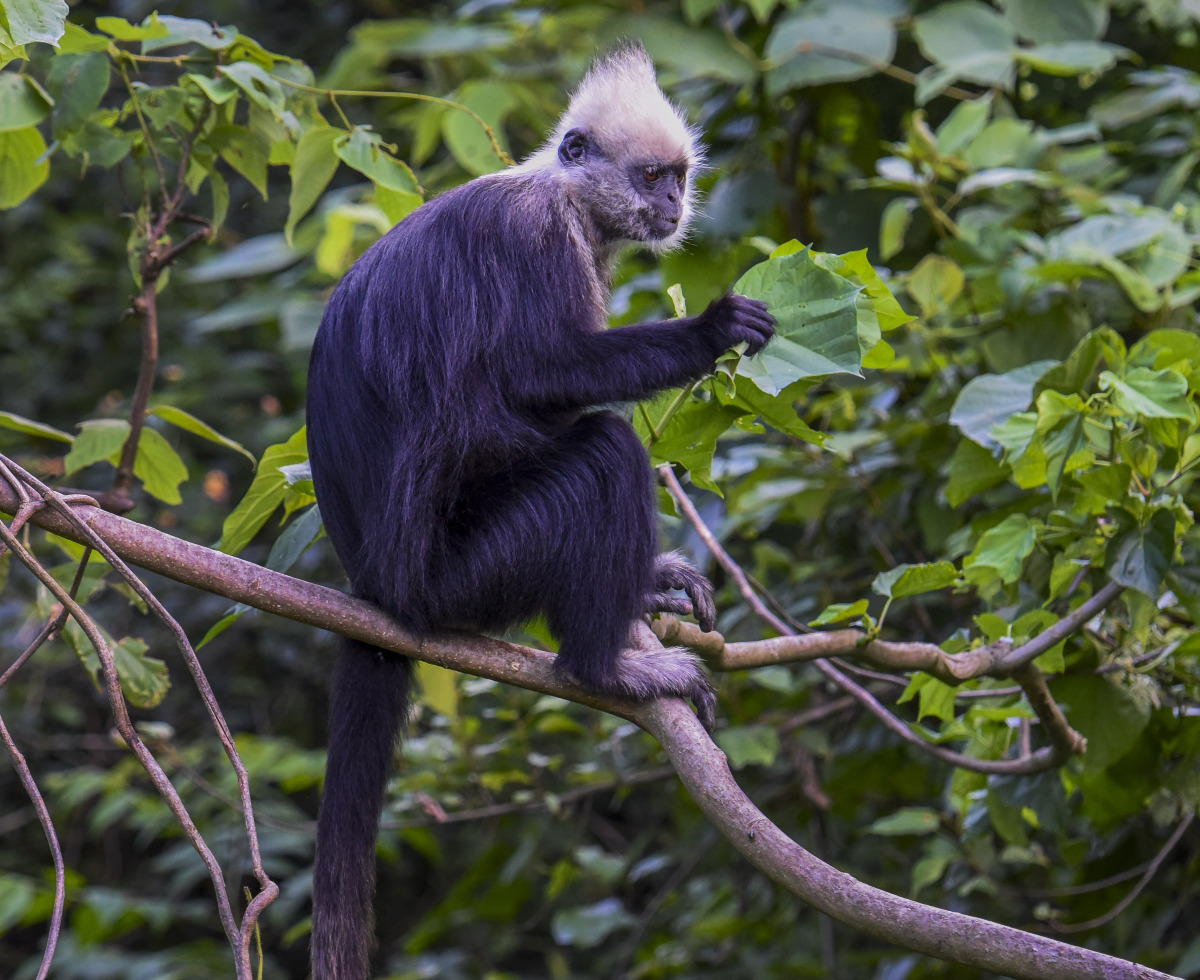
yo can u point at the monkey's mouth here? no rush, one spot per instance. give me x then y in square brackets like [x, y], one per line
[660, 224]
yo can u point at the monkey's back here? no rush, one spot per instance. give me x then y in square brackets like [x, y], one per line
[412, 372]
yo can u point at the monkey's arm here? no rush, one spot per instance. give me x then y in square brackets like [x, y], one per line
[631, 363]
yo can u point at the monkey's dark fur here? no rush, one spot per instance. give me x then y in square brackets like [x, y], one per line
[463, 479]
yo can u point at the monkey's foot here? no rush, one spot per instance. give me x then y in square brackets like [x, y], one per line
[663, 672]
[673, 571]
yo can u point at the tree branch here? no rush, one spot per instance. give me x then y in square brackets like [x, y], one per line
[701, 765]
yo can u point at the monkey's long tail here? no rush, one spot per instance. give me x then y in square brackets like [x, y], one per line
[367, 705]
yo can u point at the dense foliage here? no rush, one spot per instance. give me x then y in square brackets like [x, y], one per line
[965, 431]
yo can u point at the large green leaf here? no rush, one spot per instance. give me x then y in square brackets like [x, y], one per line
[816, 46]
[159, 467]
[989, 399]
[1139, 557]
[23, 168]
[817, 321]
[98, 439]
[367, 153]
[189, 423]
[1103, 713]
[1059, 21]
[467, 139]
[1001, 552]
[35, 20]
[314, 166]
[22, 102]
[265, 495]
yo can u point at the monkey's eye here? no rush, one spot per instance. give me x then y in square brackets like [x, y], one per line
[680, 179]
[650, 174]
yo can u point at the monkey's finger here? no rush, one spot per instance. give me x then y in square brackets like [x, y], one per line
[667, 602]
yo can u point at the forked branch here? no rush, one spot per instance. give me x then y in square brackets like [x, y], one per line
[699, 763]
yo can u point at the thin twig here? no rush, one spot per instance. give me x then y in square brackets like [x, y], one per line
[55, 623]
[268, 887]
[681, 873]
[1038, 761]
[1137, 889]
[116, 700]
[60, 871]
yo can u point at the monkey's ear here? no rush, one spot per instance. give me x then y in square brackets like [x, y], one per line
[573, 149]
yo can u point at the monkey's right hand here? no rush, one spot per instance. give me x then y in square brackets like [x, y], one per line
[734, 319]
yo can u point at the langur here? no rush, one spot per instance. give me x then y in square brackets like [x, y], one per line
[464, 472]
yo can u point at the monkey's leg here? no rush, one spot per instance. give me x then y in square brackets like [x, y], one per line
[573, 534]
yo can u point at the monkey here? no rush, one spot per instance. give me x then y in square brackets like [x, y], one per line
[466, 472]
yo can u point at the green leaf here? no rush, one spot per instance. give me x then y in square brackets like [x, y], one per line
[145, 680]
[1072, 57]
[78, 83]
[17, 895]
[184, 30]
[1149, 393]
[1139, 557]
[1061, 436]
[935, 283]
[464, 135]
[98, 439]
[260, 88]
[35, 20]
[1062, 20]
[265, 495]
[1103, 713]
[805, 46]
[159, 467]
[246, 150]
[749, 745]
[905, 821]
[252, 257]
[906, 580]
[966, 121]
[972, 470]
[588, 926]
[296, 538]
[397, 205]
[9, 420]
[77, 40]
[1003, 550]
[365, 152]
[218, 90]
[856, 267]
[935, 698]
[990, 399]
[22, 167]
[120, 29]
[222, 624]
[22, 102]
[314, 166]
[439, 688]
[778, 411]
[962, 30]
[690, 436]
[189, 423]
[816, 321]
[893, 226]
[839, 612]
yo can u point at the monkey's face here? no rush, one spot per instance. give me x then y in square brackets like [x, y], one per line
[642, 201]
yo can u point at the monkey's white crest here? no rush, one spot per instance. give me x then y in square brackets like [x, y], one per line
[620, 104]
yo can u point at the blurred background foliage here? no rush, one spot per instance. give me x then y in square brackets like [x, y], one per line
[1023, 173]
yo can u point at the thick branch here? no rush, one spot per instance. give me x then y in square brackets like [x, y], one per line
[700, 764]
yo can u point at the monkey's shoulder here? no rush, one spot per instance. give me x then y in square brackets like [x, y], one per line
[506, 214]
